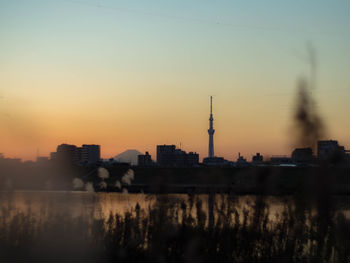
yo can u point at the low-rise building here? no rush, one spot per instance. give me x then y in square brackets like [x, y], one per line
[215, 161]
[257, 159]
[241, 161]
[281, 161]
[329, 149]
[302, 156]
[144, 160]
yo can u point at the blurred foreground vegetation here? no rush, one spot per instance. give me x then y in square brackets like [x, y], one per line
[306, 229]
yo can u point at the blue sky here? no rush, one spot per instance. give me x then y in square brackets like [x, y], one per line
[156, 62]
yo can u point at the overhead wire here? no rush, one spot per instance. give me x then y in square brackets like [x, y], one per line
[197, 20]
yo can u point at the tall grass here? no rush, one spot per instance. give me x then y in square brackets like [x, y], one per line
[174, 230]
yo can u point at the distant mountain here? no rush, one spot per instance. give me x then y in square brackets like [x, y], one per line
[129, 156]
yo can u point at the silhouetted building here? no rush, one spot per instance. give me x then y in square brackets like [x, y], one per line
[89, 154]
[144, 160]
[42, 160]
[71, 154]
[165, 154]
[347, 156]
[67, 153]
[281, 161]
[241, 161]
[327, 150]
[168, 155]
[302, 156]
[215, 161]
[53, 156]
[192, 159]
[9, 161]
[257, 159]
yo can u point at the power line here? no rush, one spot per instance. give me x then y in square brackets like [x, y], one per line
[197, 20]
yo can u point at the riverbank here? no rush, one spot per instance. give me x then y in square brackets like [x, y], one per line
[197, 180]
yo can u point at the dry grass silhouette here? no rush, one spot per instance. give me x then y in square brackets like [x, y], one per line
[177, 231]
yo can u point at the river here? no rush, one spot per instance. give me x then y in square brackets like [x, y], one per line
[42, 204]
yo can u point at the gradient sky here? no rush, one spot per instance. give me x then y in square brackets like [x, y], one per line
[134, 74]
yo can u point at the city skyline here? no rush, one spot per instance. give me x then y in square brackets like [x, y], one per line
[132, 75]
[171, 154]
[210, 148]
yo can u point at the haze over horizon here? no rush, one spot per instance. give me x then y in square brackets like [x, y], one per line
[134, 74]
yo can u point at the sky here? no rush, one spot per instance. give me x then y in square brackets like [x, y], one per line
[133, 74]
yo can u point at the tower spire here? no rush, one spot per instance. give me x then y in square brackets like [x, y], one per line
[211, 130]
[211, 105]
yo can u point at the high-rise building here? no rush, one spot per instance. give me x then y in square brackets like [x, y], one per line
[85, 155]
[211, 131]
[67, 153]
[90, 154]
[168, 155]
[165, 154]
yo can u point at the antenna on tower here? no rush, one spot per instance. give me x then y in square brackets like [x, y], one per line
[211, 104]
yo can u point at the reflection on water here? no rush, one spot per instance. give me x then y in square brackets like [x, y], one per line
[67, 226]
[100, 205]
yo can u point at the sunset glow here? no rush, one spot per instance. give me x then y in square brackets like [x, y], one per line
[131, 75]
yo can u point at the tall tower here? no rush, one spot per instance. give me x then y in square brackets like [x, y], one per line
[211, 130]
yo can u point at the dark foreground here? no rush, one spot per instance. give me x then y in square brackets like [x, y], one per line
[199, 180]
[305, 230]
[309, 228]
